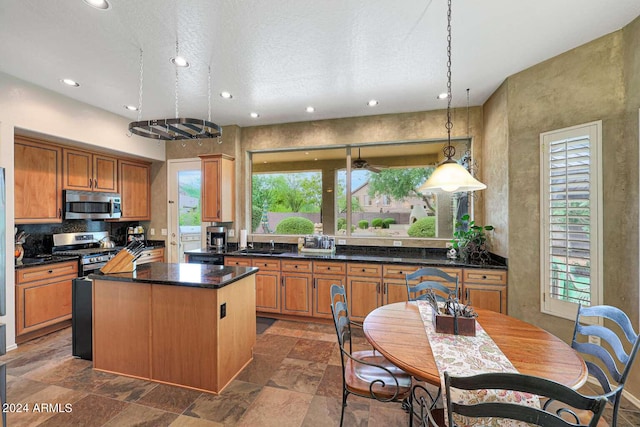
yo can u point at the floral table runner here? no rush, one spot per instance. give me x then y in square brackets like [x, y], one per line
[464, 356]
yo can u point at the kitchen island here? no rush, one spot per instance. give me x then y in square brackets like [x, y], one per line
[191, 325]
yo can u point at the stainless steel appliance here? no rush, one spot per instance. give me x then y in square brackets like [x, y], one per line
[85, 245]
[91, 205]
[214, 258]
[217, 238]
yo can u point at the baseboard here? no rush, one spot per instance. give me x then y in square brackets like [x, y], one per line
[12, 347]
[630, 397]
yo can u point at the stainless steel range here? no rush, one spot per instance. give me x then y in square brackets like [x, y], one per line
[85, 245]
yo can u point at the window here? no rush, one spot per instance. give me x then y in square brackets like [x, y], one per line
[571, 241]
[361, 190]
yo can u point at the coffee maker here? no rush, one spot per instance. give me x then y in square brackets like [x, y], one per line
[217, 238]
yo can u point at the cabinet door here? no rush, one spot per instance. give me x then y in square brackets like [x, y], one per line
[42, 305]
[363, 295]
[268, 291]
[394, 291]
[38, 182]
[135, 190]
[322, 294]
[77, 168]
[487, 297]
[218, 199]
[296, 294]
[105, 173]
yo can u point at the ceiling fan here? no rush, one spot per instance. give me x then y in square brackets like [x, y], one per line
[361, 163]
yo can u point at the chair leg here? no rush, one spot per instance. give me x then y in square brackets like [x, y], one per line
[616, 406]
[345, 393]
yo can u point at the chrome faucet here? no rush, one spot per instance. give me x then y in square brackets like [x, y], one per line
[272, 244]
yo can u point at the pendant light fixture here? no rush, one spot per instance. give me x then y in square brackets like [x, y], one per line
[449, 175]
[178, 128]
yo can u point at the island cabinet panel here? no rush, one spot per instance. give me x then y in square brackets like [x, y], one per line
[122, 327]
[135, 190]
[169, 363]
[38, 182]
[218, 178]
[326, 274]
[485, 288]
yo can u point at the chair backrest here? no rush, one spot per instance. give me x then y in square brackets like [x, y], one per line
[618, 361]
[569, 400]
[340, 313]
[416, 292]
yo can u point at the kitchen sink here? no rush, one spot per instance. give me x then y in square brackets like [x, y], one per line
[262, 251]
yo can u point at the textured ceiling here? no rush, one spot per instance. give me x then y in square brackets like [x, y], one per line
[278, 56]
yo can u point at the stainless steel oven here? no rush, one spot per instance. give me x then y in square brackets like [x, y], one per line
[90, 205]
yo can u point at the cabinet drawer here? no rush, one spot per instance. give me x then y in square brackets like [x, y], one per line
[237, 261]
[364, 270]
[266, 264]
[320, 267]
[151, 255]
[32, 274]
[489, 277]
[297, 266]
[398, 271]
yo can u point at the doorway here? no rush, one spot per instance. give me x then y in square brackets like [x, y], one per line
[184, 185]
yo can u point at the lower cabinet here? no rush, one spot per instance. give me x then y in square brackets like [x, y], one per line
[43, 299]
[326, 274]
[267, 284]
[297, 286]
[486, 289]
[364, 289]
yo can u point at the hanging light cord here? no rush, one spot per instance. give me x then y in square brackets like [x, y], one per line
[449, 150]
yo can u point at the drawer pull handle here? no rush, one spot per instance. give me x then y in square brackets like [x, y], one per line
[50, 271]
[484, 277]
[363, 270]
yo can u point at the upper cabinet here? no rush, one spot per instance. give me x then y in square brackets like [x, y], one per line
[135, 190]
[89, 171]
[38, 182]
[218, 197]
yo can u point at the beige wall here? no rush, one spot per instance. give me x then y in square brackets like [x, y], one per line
[586, 84]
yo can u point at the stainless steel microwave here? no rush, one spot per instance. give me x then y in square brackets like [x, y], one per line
[90, 205]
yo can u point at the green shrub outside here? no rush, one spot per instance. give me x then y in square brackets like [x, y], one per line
[363, 224]
[424, 227]
[376, 222]
[295, 225]
[342, 223]
[256, 216]
[387, 221]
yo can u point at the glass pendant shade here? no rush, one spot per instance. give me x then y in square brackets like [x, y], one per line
[451, 177]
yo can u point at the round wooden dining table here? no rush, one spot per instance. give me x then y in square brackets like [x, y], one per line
[397, 331]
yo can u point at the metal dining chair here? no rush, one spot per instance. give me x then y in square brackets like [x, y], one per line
[566, 401]
[364, 373]
[613, 360]
[418, 291]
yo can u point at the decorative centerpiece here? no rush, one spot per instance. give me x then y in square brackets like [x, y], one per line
[470, 241]
[453, 317]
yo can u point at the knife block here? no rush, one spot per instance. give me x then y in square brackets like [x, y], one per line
[123, 262]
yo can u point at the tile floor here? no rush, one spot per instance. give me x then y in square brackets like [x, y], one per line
[294, 380]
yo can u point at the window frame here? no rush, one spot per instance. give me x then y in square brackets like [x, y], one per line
[593, 131]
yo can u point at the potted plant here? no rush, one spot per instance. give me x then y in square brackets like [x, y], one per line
[470, 241]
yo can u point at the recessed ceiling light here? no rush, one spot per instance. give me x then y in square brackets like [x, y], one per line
[131, 107]
[310, 109]
[372, 103]
[254, 115]
[226, 95]
[443, 96]
[98, 4]
[70, 82]
[179, 61]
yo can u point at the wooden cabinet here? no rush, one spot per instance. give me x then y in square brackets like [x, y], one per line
[364, 288]
[87, 171]
[485, 288]
[296, 287]
[38, 182]
[43, 299]
[135, 190]
[268, 292]
[218, 195]
[326, 274]
[151, 255]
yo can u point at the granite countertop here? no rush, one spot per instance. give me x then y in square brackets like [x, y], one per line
[430, 259]
[50, 259]
[192, 275]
